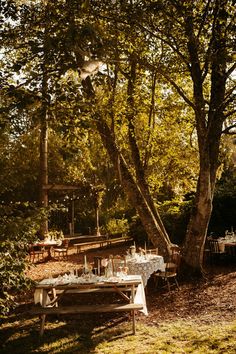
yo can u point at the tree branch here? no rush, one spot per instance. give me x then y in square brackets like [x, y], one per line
[227, 130]
[231, 70]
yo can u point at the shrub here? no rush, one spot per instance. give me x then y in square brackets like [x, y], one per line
[19, 224]
[117, 226]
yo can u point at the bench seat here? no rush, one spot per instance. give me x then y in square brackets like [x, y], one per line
[101, 243]
[79, 246]
[43, 311]
[85, 309]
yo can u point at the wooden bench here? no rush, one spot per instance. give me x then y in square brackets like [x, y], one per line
[102, 243]
[118, 240]
[43, 311]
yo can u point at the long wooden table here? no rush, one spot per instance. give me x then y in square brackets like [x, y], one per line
[101, 243]
[51, 294]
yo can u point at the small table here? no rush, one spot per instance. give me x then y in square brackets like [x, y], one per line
[48, 245]
[49, 292]
[145, 266]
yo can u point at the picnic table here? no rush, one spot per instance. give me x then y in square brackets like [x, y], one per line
[45, 245]
[49, 292]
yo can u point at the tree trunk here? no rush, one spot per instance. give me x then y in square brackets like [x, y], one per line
[44, 129]
[138, 165]
[136, 198]
[98, 233]
[43, 167]
[198, 225]
[209, 130]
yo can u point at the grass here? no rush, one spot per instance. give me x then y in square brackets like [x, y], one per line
[19, 335]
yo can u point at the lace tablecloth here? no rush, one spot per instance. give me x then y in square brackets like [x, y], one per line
[146, 266]
[139, 297]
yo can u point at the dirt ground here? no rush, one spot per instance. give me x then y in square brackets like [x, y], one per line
[207, 300]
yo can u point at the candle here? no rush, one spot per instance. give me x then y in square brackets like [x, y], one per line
[99, 267]
[85, 262]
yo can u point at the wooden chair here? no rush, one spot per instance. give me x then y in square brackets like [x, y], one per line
[171, 268]
[152, 251]
[118, 262]
[207, 251]
[174, 254]
[169, 274]
[97, 266]
[216, 254]
[36, 253]
[62, 251]
[230, 250]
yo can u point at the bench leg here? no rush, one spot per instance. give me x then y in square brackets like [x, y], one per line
[43, 317]
[133, 320]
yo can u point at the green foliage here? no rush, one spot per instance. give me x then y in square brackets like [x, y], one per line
[19, 224]
[117, 226]
[137, 230]
[49, 41]
[55, 235]
[175, 216]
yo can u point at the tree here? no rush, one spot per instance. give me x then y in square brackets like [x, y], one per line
[200, 34]
[199, 37]
[173, 45]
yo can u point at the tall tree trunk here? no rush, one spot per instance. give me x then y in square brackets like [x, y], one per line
[209, 129]
[98, 233]
[136, 159]
[136, 198]
[43, 195]
[43, 167]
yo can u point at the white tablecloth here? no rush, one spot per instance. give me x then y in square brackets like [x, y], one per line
[139, 297]
[145, 266]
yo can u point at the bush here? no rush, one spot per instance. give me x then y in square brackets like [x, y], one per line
[117, 226]
[137, 231]
[175, 216]
[19, 224]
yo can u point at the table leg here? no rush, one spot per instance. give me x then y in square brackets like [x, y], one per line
[43, 317]
[133, 311]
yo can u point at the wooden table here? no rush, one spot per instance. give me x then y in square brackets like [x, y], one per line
[126, 288]
[100, 243]
[47, 245]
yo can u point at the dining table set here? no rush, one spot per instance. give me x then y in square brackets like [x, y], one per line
[128, 281]
[46, 245]
[129, 289]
